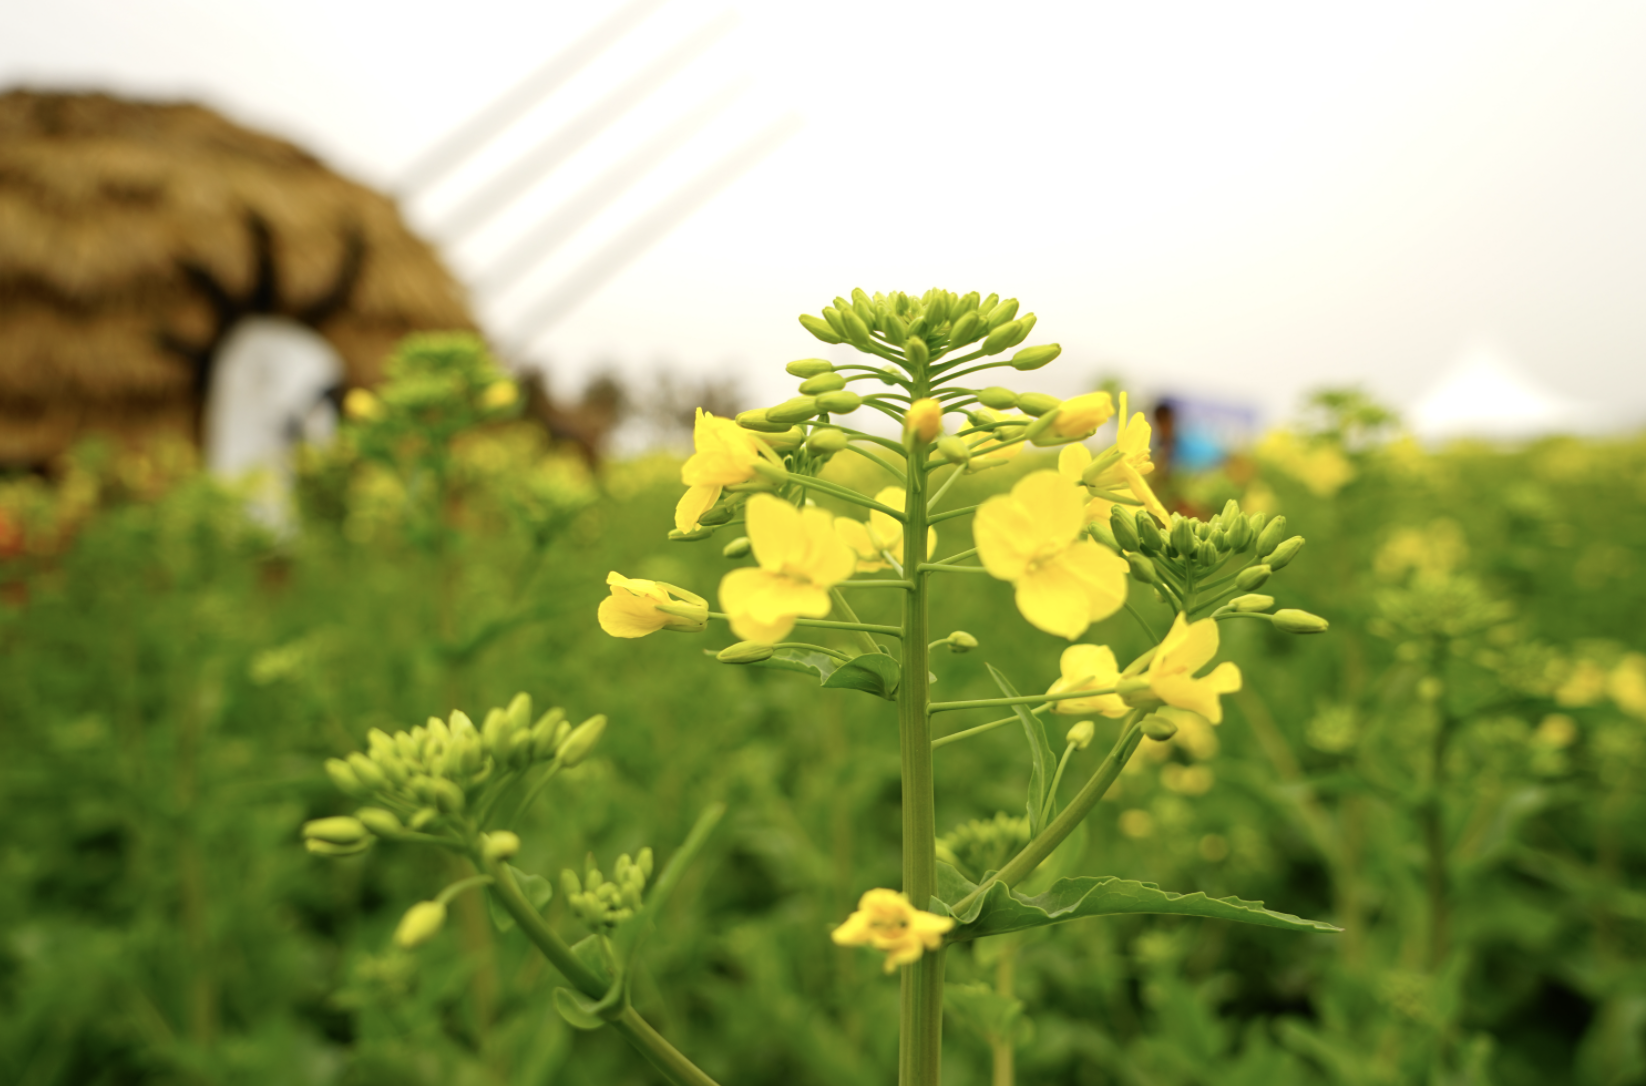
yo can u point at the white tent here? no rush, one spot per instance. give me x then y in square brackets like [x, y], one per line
[1482, 394]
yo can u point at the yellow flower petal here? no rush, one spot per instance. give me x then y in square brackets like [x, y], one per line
[1092, 667]
[1186, 648]
[1052, 600]
[692, 505]
[774, 531]
[1072, 461]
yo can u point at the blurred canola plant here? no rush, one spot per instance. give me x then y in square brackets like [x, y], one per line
[1067, 540]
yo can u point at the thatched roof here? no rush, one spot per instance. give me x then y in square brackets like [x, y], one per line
[132, 234]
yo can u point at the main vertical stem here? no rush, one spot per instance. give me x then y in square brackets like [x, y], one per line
[920, 1048]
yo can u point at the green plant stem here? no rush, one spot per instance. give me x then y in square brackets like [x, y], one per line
[1141, 621]
[956, 737]
[830, 624]
[944, 489]
[668, 1060]
[942, 567]
[920, 1036]
[1057, 779]
[990, 703]
[865, 453]
[865, 642]
[1004, 1050]
[1020, 866]
[876, 584]
[808, 482]
[950, 514]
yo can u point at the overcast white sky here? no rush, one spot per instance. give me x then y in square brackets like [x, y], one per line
[1240, 200]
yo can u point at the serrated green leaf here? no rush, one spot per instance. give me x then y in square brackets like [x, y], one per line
[577, 1009]
[1000, 910]
[1042, 761]
[873, 673]
[537, 890]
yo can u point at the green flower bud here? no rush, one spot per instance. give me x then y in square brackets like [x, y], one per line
[966, 303]
[447, 796]
[756, 420]
[916, 351]
[841, 402]
[338, 830]
[1271, 536]
[327, 849]
[857, 331]
[1158, 728]
[787, 441]
[498, 845]
[1142, 569]
[347, 781]
[737, 548]
[1007, 334]
[820, 328]
[644, 861]
[1251, 603]
[1205, 553]
[717, 515]
[986, 306]
[823, 382]
[965, 329]
[1001, 313]
[1240, 534]
[370, 776]
[1291, 620]
[1032, 358]
[960, 641]
[826, 441]
[1183, 537]
[809, 367]
[1037, 403]
[863, 309]
[1124, 527]
[421, 923]
[954, 450]
[789, 412]
[581, 741]
[1252, 577]
[677, 536]
[519, 712]
[1149, 539]
[379, 821]
[423, 818]
[997, 397]
[745, 652]
[894, 328]
[1080, 736]
[1203, 529]
[1284, 553]
[570, 887]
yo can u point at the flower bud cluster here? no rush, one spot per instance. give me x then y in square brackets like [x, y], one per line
[439, 770]
[600, 902]
[982, 845]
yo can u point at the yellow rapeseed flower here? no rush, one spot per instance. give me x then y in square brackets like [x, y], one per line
[924, 420]
[363, 405]
[1187, 648]
[881, 534]
[631, 609]
[1088, 667]
[801, 557]
[726, 454]
[1033, 538]
[1078, 419]
[1121, 467]
[886, 921]
[499, 394]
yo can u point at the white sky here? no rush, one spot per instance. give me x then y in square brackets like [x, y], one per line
[1241, 200]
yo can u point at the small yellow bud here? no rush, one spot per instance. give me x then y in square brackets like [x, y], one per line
[1143, 570]
[1032, 358]
[823, 382]
[1037, 403]
[787, 441]
[421, 923]
[1284, 553]
[916, 351]
[1291, 620]
[789, 412]
[362, 405]
[338, 830]
[1270, 537]
[370, 776]
[820, 328]
[499, 394]
[1080, 735]
[1001, 313]
[841, 402]
[737, 548]
[965, 329]
[498, 845]
[745, 652]
[581, 741]
[1251, 603]
[923, 422]
[757, 421]
[809, 367]
[1252, 577]
[960, 641]
[379, 821]
[826, 441]
[347, 780]
[954, 450]
[998, 397]
[1002, 337]
[1159, 728]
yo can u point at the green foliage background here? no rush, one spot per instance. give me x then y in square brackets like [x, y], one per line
[172, 674]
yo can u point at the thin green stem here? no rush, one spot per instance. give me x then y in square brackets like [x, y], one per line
[990, 703]
[809, 482]
[936, 518]
[1057, 779]
[896, 474]
[976, 369]
[668, 1060]
[944, 489]
[829, 624]
[859, 435]
[1036, 851]
[807, 645]
[1143, 622]
[955, 737]
[905, 585]
[864, 640]
[950, 559]
[940, 567]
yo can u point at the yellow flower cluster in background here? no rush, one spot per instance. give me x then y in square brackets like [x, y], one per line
[1319, 465]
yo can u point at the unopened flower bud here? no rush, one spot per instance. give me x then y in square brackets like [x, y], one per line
[379, 821]
[984, 463]
[1205, 553]
[1252, 603]
[1037, 403]
[1001, 313]
[318, 847]
[421, 923]
[745, 652]
[677, 536]
[1284, 553]
[337, 830]
[841, 402]
[965, 329]
[1252, 577]
[1143, 570]
[370, 776]
[923, 422]
[1003, 337]
[1183, 537]
[998, 397]
[791, 411]
[570, 886]
[757, 421]
[807, 368]
[1159, 728]
[1149, 539]
[826, 441]
[857, 330]
[447, 796]
[916, 351]
[954, 450]
[498, 845]
[1080, 736]
[786, 441]
[893, 327]
[820, 329]
[1270, 537]
[581, 741]
[1240, 533]
[1291, 620]
[823, 382]
[737, 548]
[961, 641]
[1032, 358]
[347, 781]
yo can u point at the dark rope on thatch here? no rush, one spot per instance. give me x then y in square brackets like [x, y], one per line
[336, 297]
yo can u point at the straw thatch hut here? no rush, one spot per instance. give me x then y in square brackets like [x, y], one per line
[134, 236]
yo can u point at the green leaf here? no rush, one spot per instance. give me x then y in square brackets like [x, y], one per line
[1000, 910]
[1042, 761]
[537, 890]
[990, 1015]
[577, 1009]
[873, 673]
